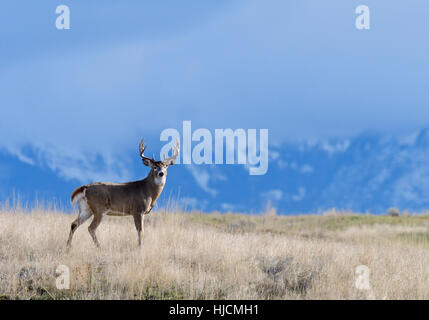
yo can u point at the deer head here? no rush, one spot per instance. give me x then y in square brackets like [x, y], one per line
[159, 168]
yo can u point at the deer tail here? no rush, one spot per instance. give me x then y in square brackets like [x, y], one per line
[78, 194]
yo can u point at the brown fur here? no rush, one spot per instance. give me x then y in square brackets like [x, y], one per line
[135, 198]
[76, 192]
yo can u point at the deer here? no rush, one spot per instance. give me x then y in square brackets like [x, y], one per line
[135, 198]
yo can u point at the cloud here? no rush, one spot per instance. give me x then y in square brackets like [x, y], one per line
[304, 169]
[202, 177]
[408, 140]
[301, 194]
[307, 169]
[13, 150]
[90, 167]
[228, 207]
[273, 195]
[274, 155]
[76, 97]
[191, 203]
[378, 179]
[332, 147]
[80, 131]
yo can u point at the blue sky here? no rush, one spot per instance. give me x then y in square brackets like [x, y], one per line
[128, 69]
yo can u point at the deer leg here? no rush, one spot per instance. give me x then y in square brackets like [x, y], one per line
[84, 214]
[139, 222]
[93, 226]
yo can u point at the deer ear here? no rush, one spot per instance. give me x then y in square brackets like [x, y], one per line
[169, 162]
[147, 162]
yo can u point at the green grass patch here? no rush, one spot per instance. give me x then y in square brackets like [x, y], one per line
[294, 224]
[420, 238]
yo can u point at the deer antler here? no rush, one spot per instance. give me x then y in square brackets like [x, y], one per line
[142, 148]
[174, 153]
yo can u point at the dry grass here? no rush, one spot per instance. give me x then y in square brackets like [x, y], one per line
[214, 256]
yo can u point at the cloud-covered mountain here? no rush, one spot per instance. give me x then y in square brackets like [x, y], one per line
[366, 173]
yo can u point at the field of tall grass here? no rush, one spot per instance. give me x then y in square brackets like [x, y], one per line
[216, 256]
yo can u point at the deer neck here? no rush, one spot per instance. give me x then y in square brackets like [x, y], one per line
[156, 185]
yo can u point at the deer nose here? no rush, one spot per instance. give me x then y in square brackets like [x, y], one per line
[161, 174]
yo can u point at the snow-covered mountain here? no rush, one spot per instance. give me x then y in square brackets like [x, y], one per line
[366, 173]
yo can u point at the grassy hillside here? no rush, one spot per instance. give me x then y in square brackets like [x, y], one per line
[214, 256]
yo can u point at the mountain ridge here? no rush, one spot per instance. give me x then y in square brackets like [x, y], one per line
[368, 173]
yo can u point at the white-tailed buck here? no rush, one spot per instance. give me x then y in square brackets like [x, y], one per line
[135, 198]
